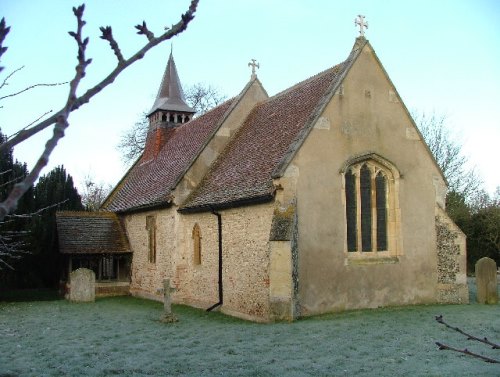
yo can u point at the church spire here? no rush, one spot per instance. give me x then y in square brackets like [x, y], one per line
[170, 96]
[169, 111]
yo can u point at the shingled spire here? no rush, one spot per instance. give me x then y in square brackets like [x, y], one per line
[169, 110]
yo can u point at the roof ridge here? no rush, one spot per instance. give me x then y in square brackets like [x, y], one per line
[343, 68]
[235, 101]
[105, 213]
[228, 111]
[305, 81]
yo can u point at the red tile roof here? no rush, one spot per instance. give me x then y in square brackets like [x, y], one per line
[245, 169]
[260, 150]
[90, 233]
[150, 182]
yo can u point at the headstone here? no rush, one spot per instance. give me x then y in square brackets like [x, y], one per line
[486, 281]
[167, 316]
[82, 285]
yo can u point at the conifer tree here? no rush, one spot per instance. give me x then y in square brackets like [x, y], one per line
[14, 229]
[54, 191]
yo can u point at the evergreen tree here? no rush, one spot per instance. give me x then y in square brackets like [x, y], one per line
[14, 229]
[54, 188]
[483, 231]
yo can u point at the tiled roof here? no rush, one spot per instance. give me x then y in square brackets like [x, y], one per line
[150, 183]
[90, 233]
[244, 171]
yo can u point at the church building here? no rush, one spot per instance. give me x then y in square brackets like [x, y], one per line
[321, 198]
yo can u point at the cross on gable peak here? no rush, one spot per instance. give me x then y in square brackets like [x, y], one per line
[360, 21]
[253, 63]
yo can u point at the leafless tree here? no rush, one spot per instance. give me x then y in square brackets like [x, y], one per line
[94, 193]
[203, 97]
[133, 140]
[59, 120]
[12, 246]
[447, 150]
[200, 97]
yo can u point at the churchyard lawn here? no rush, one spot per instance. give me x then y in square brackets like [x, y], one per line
[123, 337]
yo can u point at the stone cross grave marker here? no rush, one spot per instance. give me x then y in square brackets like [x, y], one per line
[486, 281]
[82, 285]
[167, 290]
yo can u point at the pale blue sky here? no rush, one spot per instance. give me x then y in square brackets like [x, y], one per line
[442, 55]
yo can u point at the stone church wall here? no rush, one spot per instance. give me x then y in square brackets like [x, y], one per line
[451, 251]
[147, 277]
[245, 240]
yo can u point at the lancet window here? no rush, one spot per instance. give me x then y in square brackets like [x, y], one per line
[196, 244]
[151, 229]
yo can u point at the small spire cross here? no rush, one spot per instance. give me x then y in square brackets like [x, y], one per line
[360, 21]
[253, 63]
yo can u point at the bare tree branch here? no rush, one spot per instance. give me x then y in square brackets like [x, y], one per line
[38, 212]
[60, 118]
[30, 124]
[6, 80]
[85, 98]
[31, 87]
[439, 319]
[107, 34]
[467, 352]
[143, 30]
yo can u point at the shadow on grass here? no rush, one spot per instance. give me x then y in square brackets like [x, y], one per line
[20, 295]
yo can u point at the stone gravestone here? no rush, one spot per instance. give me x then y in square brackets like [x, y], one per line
[167, 316]
[486, 281]
[82, 285]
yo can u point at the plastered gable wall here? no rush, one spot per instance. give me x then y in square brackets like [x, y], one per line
[245, 235]
[366, 118]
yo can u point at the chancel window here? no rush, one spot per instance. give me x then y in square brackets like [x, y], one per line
[370, 202]
[151, 229]
[196, 244]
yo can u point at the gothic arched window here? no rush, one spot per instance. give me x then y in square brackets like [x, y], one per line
[370, 206]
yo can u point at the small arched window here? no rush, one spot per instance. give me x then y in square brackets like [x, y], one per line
[196, 244]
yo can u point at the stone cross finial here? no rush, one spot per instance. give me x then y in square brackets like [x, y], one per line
[253, 63]
[360, 21]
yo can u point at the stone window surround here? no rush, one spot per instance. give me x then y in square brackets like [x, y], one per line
[151, 229]
[196, 244]
[377, 164]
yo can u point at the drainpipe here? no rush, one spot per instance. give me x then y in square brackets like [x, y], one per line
[219, 224]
